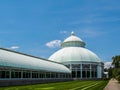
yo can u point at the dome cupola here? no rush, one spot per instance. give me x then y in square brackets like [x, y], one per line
[82, 62]
[73, 50]
[73, 41]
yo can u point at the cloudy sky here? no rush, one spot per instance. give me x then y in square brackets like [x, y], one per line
[37, 27]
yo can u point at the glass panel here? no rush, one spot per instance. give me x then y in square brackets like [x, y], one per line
[86, 66]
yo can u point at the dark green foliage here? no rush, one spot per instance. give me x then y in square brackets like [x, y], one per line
[72, 85]
[116, 68]
[118, 78]
[110, 72]
[116, 61]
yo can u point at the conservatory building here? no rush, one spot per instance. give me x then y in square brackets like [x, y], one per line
[16, 65]
[83, 63]
[20, 69]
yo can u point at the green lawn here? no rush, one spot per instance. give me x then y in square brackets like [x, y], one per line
[71, 85]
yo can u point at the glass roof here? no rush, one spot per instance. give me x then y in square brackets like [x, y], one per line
[11, 58]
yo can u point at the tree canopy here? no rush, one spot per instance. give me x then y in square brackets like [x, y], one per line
[116, 61]
[116, 69]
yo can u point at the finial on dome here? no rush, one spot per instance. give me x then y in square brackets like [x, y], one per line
[72, 33]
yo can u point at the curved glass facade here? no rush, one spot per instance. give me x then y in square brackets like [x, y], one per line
[85, 70]
[82, 62]
[73, 44]
[10, 58]
[22, 66]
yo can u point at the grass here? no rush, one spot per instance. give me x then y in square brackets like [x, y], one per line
[71, 85]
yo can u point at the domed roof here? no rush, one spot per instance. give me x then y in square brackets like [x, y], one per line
[73, 41]
[72, 38]
[70, 54]
[73, 50]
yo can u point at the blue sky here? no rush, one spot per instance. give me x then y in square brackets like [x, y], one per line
[37, 27]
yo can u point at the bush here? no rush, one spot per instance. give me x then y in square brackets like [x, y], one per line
[118, 78]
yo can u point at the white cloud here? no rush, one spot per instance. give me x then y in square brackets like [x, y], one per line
[54, 44]
[63, 32]
[107, 64]
[14, 47]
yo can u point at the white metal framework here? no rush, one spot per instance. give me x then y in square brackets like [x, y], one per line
[85, 70]
[82, 62]
[18, 65]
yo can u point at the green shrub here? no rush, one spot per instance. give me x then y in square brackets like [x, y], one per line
[118, 78]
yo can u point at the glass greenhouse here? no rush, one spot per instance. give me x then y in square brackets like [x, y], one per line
[83, 63]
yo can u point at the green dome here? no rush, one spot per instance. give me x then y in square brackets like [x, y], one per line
[73, 50]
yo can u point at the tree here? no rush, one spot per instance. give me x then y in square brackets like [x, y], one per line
[116, 61]
[110, 72]
[116, 68]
